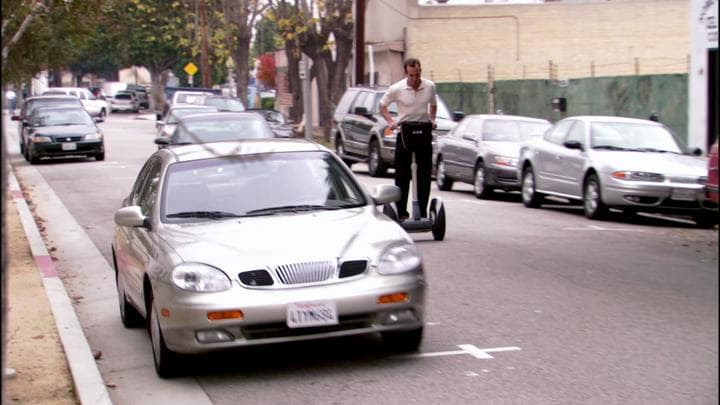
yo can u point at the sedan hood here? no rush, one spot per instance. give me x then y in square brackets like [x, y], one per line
[668, 164]
[509, 149]
[257, 242]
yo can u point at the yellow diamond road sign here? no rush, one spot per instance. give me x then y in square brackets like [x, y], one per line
[191, 69]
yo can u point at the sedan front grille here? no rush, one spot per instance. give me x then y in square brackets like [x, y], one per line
[67, 138]
[305, 272]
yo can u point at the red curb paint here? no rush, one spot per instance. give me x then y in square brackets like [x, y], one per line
[46, 266]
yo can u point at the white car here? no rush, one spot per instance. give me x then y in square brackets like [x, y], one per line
[629, 164]
[93, 105]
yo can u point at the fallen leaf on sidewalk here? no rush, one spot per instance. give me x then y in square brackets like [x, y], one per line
[109, 385]
[38, 337]
[97, 354]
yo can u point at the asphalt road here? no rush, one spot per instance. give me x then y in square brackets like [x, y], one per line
[524, 306]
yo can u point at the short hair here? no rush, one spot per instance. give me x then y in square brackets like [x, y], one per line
[412, 62]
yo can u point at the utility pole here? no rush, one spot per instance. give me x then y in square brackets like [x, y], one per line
[204, 64]
[359, 41]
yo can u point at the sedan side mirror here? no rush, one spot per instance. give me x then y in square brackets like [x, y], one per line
[162, 141]
[130, 217]
[458, 115]
[573, 145]
[697, 152]
[386, 193]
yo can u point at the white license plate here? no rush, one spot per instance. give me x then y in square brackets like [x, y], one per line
[306, 314]
[683, 195]
[69, 146]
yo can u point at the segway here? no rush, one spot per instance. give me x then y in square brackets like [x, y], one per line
[416, 224]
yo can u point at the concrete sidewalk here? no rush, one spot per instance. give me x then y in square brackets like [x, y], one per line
[49, 358]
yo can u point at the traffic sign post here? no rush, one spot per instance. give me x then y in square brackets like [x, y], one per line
[190, 69]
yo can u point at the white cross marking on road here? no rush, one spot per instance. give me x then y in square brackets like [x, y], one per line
[471, 350]
[599, 228]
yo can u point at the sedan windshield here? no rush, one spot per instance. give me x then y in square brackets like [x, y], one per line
[178, 113]
[632, 136]
[60, 117]
[266, 184]
[215, 129]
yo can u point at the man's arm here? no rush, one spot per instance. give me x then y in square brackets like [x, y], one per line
[388, 118]
[433, 114]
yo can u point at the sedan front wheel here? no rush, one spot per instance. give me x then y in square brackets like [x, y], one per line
[592, 198]
[166, 361]
[530, 197]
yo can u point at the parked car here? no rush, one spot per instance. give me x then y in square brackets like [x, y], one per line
[141, 93]
[95, 106]
[165, 127]
[483, 150]
[222, 103]
[124, 101]
[32, 103]
[614, 162]
[232, 265]
[711, 186]
[277, 122]
[62, 131]
[215, 127]
[359, 128]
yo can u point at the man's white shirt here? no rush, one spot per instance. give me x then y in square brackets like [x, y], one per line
[412, 104]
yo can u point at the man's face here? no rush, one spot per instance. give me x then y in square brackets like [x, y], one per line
[413, 76]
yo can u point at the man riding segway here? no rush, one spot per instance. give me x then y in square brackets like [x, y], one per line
[416, 102]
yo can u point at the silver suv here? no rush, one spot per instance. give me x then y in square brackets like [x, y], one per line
[359, 127]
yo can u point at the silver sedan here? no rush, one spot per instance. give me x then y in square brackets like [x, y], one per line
[614, 162]
[483, 151]
[252, 242]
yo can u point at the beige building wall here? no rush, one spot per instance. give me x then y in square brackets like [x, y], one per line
[578, 39]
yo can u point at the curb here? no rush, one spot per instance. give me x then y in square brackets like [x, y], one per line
[89, 385]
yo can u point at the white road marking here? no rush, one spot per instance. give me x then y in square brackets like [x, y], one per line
[469, 349]
[471, 374]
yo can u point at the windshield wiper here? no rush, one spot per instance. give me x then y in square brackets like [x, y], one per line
[610, 147]
[203, 214]
[653, 150]
[289, 208]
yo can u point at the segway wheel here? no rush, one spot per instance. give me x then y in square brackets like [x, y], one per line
[389, 211]
[437, 212]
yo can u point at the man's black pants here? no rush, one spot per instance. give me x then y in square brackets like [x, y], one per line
[414, 137]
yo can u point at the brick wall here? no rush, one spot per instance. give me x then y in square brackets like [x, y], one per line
[560, 40]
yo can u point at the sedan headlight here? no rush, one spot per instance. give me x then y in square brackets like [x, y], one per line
[200, 277]
[40, 139]
[506, 161]
[639, 176]
[90, 137]
[399, 259]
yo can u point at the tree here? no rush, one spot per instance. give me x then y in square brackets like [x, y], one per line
[266, 37]
[240, 16]
[266, 70]
[317, 37]
[157, 34]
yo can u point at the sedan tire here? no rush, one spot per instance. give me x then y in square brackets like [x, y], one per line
[403, 341]
[376, 166]
[444, 182]
[592, 198]
[130, 316]
[530, 197]
[479, 183]
[166, 361]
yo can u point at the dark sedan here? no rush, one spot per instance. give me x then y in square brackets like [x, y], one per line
[215, 127]
[62, 131]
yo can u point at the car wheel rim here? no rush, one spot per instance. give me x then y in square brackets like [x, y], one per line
[373, 159]
[528, 187]
[441, 173]
[340, 149]
[155, 334]
[591, 197]
[479, 181]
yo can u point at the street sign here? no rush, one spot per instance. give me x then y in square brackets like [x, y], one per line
[191, 69]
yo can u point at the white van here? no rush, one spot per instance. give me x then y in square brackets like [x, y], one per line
[96, 107]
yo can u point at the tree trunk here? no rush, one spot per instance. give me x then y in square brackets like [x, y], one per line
[320, 73]
[294, 85]
[158, 79]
